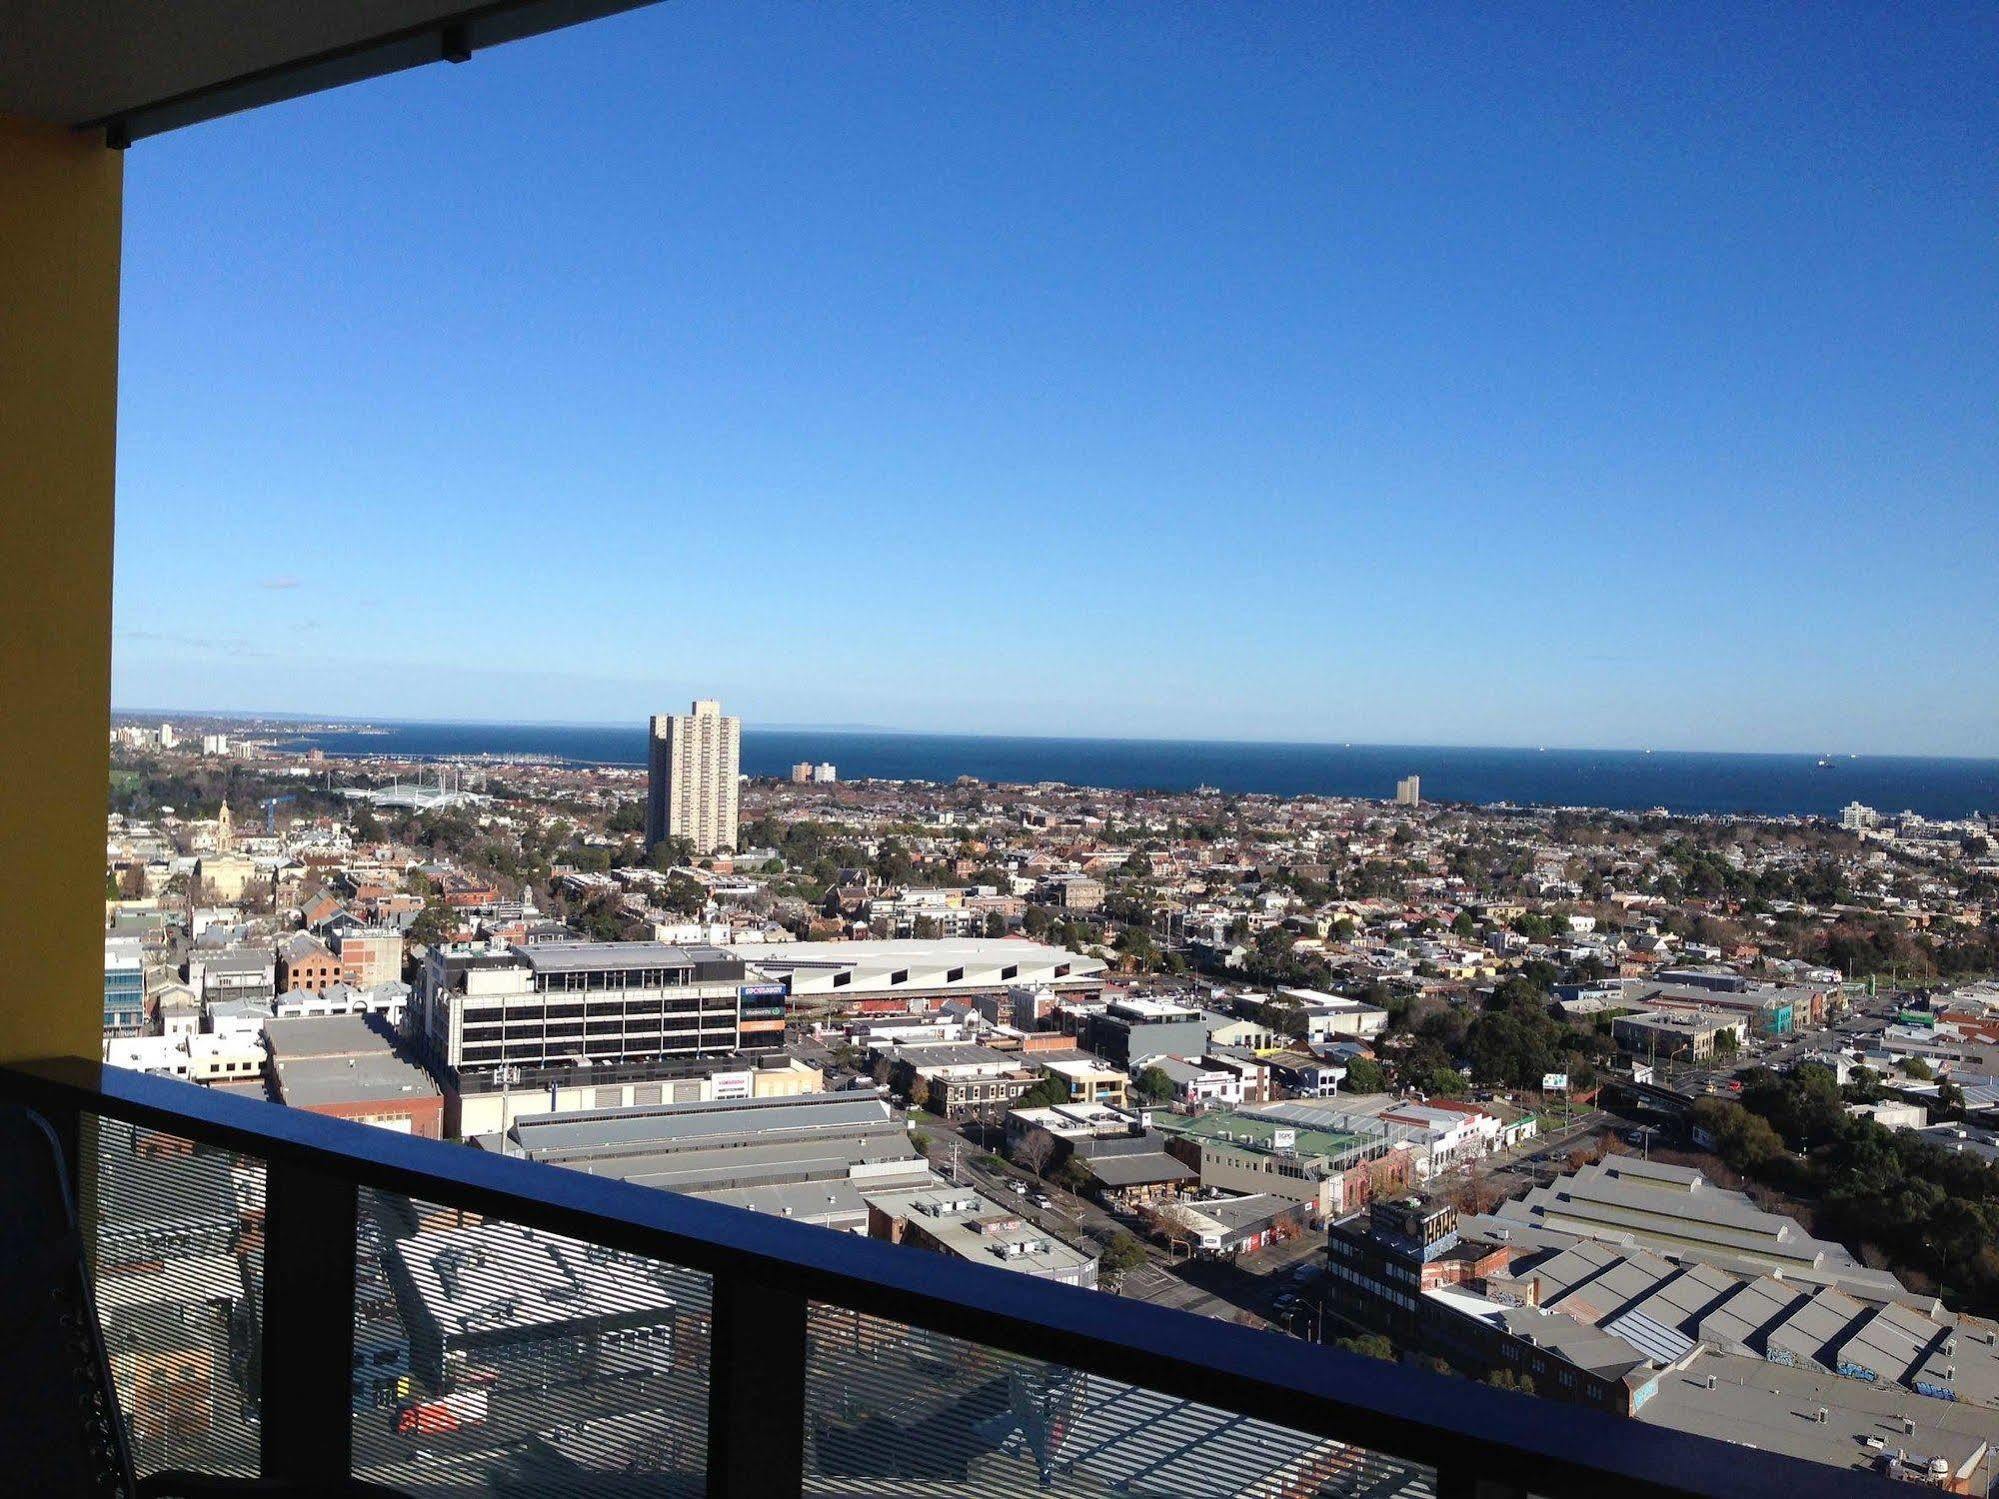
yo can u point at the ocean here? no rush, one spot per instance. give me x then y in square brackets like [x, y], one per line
[1622, 779]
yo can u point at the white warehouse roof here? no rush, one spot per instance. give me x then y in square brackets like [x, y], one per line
[895, 967]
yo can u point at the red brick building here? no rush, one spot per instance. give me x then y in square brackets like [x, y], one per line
[304, 962]
[348, 1067]
[463, 892]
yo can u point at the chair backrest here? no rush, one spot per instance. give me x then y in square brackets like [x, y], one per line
[60, 1431]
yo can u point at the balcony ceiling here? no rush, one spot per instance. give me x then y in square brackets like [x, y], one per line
[143, 66]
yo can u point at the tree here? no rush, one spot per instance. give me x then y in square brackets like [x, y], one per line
[1864, 1085]
[1745, 1140]
[1447, 1082]
[604, 919]
[684, 895]
[1138, 947]
[1046, 1094]
[1154, 1086]
[1073, 1176]
[919, 1091]
[132, 883]
[1365, 1075]
[1917, 1068]
[432, 925]
[1032, 1150]
[668, 852]
[1123, 1254]
[1369, 1345]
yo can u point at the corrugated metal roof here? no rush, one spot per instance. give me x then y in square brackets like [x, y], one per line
[1661, 1344]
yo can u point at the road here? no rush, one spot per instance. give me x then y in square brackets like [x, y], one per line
[1243, 1290]
[1532, 1161]
[1067, 1216]
[1776, 1055]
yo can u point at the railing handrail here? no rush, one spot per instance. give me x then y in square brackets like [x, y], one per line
[1455, 1425]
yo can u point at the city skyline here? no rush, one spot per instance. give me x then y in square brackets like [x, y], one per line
[1430, 379]
[754, 726]
[1326, 670]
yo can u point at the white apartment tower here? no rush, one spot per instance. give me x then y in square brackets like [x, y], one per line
[693, 769]
[1409, 791]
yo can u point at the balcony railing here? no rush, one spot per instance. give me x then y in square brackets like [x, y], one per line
[302, 1296]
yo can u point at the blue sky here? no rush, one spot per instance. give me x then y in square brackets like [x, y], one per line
[1599, 375]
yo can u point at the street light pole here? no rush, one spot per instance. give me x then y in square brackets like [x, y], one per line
[509, 1075]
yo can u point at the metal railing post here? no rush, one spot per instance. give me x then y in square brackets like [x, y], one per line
[756, 1391]
[307, 1366]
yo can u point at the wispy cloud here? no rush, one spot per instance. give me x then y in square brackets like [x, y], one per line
[216, 645]
[278, 582]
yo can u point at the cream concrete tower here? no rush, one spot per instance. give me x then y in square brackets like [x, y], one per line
[693, 768]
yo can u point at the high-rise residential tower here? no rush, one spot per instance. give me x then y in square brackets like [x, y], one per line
[693, 768]
[1409, 791]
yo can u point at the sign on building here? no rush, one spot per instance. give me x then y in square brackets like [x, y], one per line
[1554, 1082]
[761, 1001]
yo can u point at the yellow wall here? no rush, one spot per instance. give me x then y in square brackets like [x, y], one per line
[60, 201]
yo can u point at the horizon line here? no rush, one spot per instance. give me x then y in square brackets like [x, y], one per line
[863, 729]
